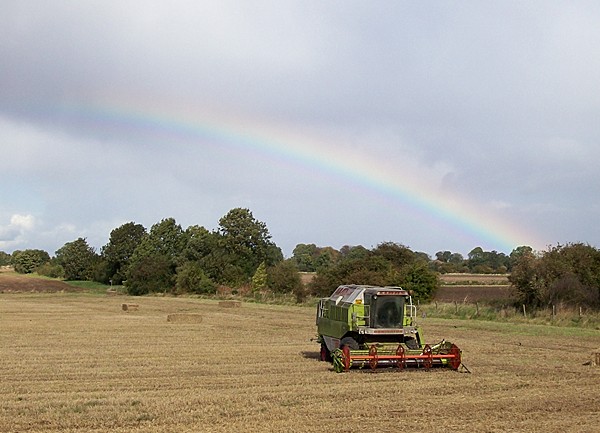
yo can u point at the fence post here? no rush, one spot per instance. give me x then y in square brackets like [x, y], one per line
[524, 311]
[477, 309]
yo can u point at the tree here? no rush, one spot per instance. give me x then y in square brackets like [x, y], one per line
[388, 264]
[285, 278]
[348, 252]
[162, 247]
[5, 258]
[569, 274]
[476, 258]
[456, 259]
[27, 261]
[247, 242]
[518, 253]
[259, 279]
[192, 279]
[443, 256]
[304, 256]
[420, 281]
[368, 269]
[165, 238]
[118, 252]
[199, 243]
[77, 259]
[397, 254]
[150, 274]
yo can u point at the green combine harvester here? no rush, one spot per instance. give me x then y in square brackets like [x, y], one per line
[361, 326]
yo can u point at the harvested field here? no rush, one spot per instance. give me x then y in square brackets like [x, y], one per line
[78, 363]
[474, 288]
[478, 279]
[472, 293]
[184, 318]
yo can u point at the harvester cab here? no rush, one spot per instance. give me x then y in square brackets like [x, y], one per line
[376, 326]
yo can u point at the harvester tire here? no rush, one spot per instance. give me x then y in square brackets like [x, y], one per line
[325, 353]
[350, 342]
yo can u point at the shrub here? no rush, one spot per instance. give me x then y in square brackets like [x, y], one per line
[192, 279]
[51, 270]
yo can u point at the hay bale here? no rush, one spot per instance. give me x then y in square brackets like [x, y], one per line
[184, 318]
[130, 307]
[596, 358]
[230, 304]
[111, 292]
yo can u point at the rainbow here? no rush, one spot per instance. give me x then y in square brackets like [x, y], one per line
[284, 145]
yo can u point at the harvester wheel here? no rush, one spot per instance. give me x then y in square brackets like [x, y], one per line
[346, 358]
[428, 361]
[338, 361]
[401, 361]
[373, 357]
[456, 360]
[325, 353]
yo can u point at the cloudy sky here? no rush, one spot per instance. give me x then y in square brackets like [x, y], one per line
[438, 125]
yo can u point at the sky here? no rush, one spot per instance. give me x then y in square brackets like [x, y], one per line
[441, 126]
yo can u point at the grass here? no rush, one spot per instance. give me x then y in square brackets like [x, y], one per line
[560, 316]
[94, 287]
[78, 363]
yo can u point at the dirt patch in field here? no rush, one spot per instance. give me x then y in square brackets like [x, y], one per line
[11, 282]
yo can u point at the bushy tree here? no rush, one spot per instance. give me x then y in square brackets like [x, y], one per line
[420, 281]
[304, 256]
[120, 247]
[360, 269]
[259, 279]
[443, 256]
[246, 242]
[5, 258]
[192, 279]
[285, 278]
[150, 274]
[200, 243]
[163, 247]
[396, 254]
[387, 264]
[27, 261]
[77, 259]
[567, 274]
[51, 269]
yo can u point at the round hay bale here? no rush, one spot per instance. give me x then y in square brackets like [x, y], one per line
[230, 304]
[184, 318]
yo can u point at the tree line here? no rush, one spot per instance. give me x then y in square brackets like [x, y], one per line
[241, 255]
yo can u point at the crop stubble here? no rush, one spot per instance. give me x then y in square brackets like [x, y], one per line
[78, 363]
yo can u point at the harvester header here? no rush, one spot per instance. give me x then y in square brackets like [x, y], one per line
[361, 325]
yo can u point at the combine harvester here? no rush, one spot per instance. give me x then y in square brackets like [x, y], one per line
[361, 326]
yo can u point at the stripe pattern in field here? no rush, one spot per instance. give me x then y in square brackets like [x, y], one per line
[79, 363]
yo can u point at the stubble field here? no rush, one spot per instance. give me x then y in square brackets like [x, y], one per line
[79, 363]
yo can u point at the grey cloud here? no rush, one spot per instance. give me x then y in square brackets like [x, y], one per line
[497, 102]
